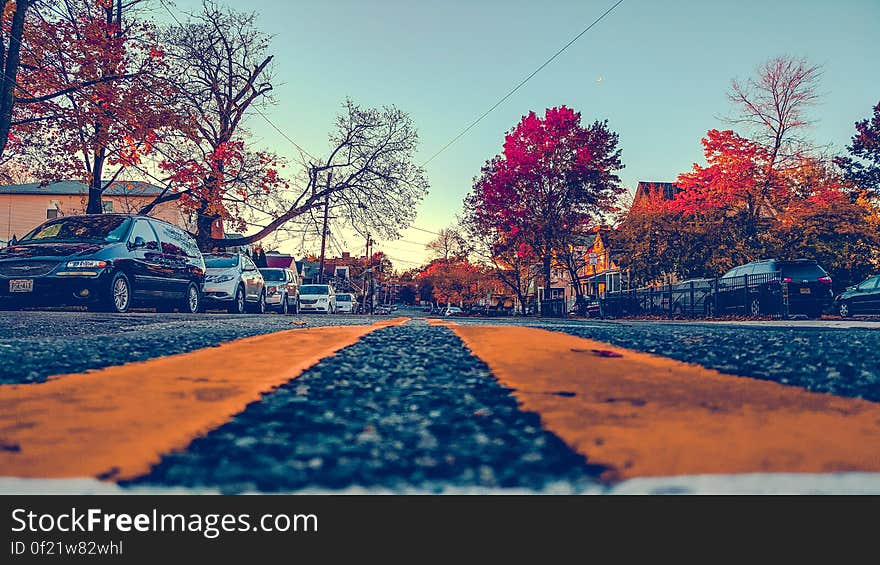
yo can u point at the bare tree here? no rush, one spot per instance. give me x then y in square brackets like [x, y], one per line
[774, 104]
[449, 244]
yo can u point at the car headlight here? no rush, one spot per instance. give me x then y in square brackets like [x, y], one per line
[322, 300]
[88, 264]
[219, 278]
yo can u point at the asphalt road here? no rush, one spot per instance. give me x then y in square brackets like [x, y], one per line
[839, 360]
[403, 407]
[37, 344]
[408, 406]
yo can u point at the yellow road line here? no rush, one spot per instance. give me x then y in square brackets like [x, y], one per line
[646, 415]
[116, 422]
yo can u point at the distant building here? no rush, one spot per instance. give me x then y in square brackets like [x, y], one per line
[25, 206]
[652, 191]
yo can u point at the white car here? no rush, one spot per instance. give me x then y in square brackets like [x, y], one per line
[317, 298]
[346, 302]
[452, 311]
[232, 281]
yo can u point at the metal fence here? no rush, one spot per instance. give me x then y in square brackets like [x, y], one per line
[554, 308]
[758, 294]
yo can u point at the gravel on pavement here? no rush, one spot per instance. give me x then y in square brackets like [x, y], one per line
[405, 407]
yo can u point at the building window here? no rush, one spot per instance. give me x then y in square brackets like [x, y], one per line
[51, 213]
[107, 206]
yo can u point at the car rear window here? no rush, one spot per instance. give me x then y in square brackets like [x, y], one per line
[343, 297]
[802, 271]
[273, 274]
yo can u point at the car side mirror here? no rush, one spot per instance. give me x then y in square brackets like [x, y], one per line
[138, 243]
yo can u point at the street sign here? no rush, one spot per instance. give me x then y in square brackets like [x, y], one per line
[594, 258]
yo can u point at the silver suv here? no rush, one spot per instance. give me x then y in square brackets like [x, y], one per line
[232, 281]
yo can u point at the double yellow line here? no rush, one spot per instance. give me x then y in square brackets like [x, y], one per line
[638, 414]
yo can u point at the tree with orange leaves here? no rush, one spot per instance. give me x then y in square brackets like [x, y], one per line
[99, 133]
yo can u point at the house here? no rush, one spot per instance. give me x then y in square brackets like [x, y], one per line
[652, 191]
[25, 206]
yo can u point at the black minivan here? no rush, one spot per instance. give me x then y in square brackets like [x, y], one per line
[106, 261]
[765, 287]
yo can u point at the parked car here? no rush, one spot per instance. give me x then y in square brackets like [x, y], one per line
[282, 289]
[757, 288]
[863, 298]
[317, 298]
[108, 262]
[382, 309]
[234, 282]
[347, 302]
[453, 311]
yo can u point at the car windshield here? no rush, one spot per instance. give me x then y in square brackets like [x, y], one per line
[80, 229]
[802, 271]
[343, 298]
[314, 289]
[273, 274]
[221, 261]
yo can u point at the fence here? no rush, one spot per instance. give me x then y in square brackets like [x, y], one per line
[758, 294]
[554, 308]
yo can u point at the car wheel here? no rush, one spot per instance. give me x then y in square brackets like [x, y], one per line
[237, 306]
[119, 297]
[284, 305]
[843, 310]
[260, 306]
[192, 301]
[755, 307]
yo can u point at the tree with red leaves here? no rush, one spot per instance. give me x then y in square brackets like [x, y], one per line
[95, 134]
[554, 177]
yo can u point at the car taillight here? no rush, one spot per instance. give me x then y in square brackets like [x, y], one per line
[825, 280]
[786, 279]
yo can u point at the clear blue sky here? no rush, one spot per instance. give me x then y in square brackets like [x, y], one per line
[658, 71]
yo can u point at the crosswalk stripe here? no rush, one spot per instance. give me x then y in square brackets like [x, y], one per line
[115, 423]
[646, 415]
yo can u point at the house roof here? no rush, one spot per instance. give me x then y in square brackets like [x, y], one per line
[77, 188]
[652, 189]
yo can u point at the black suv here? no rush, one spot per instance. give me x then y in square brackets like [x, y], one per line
[764, 287]
[107, 261]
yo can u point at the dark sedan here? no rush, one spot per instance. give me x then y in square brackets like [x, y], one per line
[106, 261]
[863, 298]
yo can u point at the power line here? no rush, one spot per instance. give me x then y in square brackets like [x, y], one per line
[257, 110]
[521, 84]
[423, 230]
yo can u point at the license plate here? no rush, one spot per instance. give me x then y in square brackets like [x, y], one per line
[805, 290]
[21, 285]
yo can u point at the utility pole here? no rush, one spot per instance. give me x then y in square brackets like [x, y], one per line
[369, 265]
[324, 231]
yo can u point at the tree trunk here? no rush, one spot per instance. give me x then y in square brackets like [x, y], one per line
[204, 227]
[9, 68]
[96, 186]
[547, 277]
